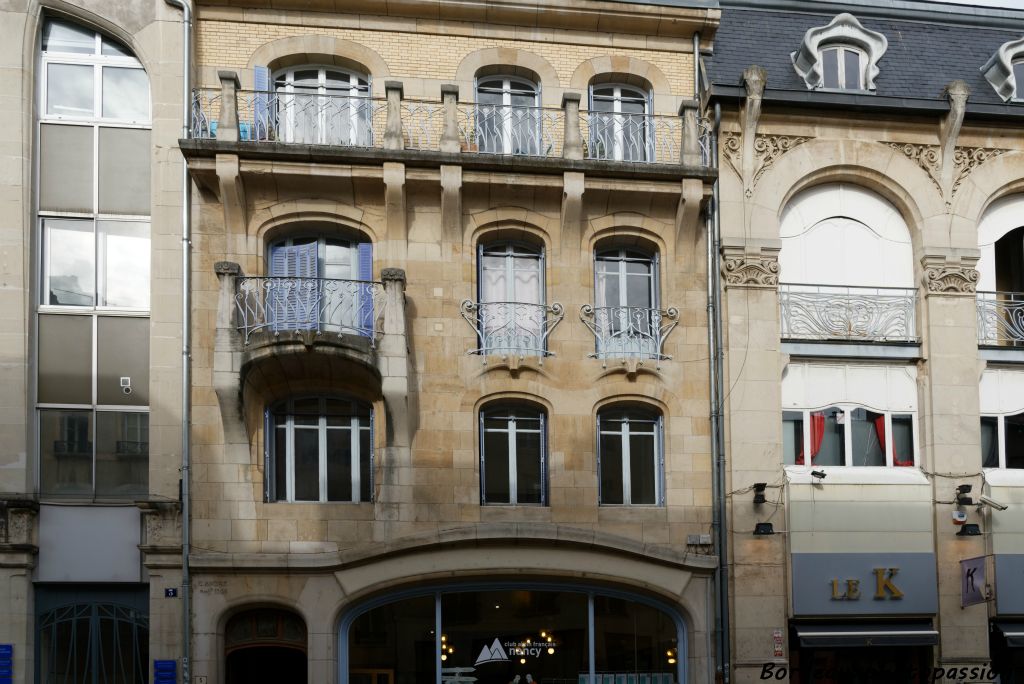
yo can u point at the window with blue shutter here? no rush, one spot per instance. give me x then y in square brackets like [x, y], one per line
[366, 314]
[294, 295]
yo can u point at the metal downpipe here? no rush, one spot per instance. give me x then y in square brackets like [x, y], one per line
[186, 344]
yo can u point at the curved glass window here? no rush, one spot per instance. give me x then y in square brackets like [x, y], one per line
[507, 117]
[619, 126]
[324, 106]
[513, 462]
[521, 634]
[320, 449]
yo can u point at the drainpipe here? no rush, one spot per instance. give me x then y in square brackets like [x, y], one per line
[186, 340]
[718, 519]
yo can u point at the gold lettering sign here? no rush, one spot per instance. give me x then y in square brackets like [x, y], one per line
[885, 588]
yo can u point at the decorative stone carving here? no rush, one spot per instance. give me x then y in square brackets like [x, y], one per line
[998, 70]
[843, 29]
[965, 160]
[161, 523]
[944, 276]
[766, 148]
[751, 270]
[17, 524]
[926, 156]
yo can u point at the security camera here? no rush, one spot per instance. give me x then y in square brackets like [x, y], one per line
[992, 502]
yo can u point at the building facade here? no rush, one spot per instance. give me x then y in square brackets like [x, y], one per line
[870, 185]
[450, 415]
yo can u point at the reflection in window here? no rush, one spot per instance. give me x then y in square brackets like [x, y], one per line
[631, 638]
[868, 431]
[1002, 441]
[842, 68]
[512, 458]
[848, 436]
[619, 126]
[71, 248]
[507, 118]
[93, 642]
[629, 456]
[319, 105]
[321, 450]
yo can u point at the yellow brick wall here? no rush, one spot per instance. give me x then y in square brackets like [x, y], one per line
[229, 45]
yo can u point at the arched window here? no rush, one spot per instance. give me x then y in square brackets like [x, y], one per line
[511, 310]
[627, 320]
[619, 126]
[265, 644]
[319, 449]
[842, 67]
[323, 106]
[507, 118]
[513, 454]
[630, 457]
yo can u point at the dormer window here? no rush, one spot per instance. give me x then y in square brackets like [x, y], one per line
[841, 56]
[1005, 71]
[1018, 78]
[842, 68]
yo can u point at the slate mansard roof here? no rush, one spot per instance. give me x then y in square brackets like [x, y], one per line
[923, 55]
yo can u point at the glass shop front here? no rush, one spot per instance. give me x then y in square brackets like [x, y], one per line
[514, 635]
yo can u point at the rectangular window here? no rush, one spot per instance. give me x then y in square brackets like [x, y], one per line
[1002, 441]
[93, 454]
[629, 458]
[793, 437]
[512, 459]
[848, 436]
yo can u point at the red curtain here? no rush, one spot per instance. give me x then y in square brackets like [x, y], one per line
[896, 460]
[817, 434]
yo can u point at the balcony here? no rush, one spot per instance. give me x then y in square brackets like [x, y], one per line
[1001, 319]
[321, 306]
[629, 332]
[512, 329]
[848, 313]
[248, 120]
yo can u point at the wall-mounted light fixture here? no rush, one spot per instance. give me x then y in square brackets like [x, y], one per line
[763, 529]
[759, 488]
[969, 530]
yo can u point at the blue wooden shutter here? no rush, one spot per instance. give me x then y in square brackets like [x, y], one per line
[367, 319]
[294, 298]
[261, 107]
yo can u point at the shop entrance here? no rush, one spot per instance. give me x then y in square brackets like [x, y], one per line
[265, 646]
[861, 652]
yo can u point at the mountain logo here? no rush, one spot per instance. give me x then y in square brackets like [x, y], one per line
[492, 654]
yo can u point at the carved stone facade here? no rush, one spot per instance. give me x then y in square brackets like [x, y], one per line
[942, 276]
[755, 269]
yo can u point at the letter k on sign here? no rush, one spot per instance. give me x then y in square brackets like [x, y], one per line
[884, 583]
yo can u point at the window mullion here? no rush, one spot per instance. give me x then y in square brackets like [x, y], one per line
[806, 428]
[322, 451]
[513, 485]
[627, 481]
[847, 438]
[355, 465]
[1001, 436]
[289, 441]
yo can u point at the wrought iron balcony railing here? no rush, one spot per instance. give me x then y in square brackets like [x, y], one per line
[1001, 319]
[861, 314]
[646, 138]
[512, 328]
[321, 305]
[511, 129]
[624, 332]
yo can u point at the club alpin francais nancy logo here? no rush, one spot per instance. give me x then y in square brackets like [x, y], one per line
[492, 654]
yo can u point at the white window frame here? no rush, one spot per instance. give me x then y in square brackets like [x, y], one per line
[511, 123]
[356, 430]
[1001, 439]
[501, 411]
[657, 423]
[841, 49]
[847, 408]
[622, 257]
[360, 125]
[619, 135]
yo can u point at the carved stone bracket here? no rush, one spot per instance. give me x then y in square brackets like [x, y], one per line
[161, 525]
[17, 523]
[767, 150]
[950, 277]
[757, 268]
[929, 158]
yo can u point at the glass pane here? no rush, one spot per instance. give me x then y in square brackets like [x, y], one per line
[122, 455]
[828, 439]
[643, 472]
[397, 641]
[830, 68]
[70, 268]
[496, 484]
[365, 465]
[638, 290]
[611, 467]
[124, 251]
[1013, 427]
[868, 434]
[307, 464]
[112, 48]
[633, 643]
[65, 453]
[528, 467]
[65, 359]
[339, 465]
[61, 36]
[124, 171]
[66, 168]
[792, 437]
[280, 460]
[501, 635]
[69, 90]
[493, 279]
[902, 440]
[851, 67]
[608, 288]
[125, 94]
[989, 442]
[122, 351]
[1018, 79]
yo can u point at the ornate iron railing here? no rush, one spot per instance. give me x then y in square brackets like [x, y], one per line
[868, 314]
[1001, 318]
[321, 305]
[303, 118]
[422, 124]
[512, 328]
[631, 137]
[629, 331]
[511, 129]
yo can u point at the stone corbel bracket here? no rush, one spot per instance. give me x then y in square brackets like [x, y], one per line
[950, 276]
[750, 266]
[17, 524]
[957, 93]
[754, 80]
[998, 70]
[844, 29]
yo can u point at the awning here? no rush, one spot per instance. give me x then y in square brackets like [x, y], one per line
[855, 635]
[1013, 632]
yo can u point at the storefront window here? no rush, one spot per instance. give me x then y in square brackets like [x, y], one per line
[516, 635]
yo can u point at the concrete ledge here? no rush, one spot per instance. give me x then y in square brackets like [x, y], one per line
[1002, 354]
[906, 351]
